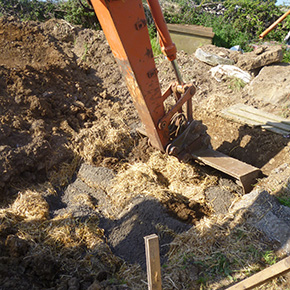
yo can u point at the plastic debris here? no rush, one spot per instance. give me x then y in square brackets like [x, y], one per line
[230, 71]
[211, 59]
[237, 48]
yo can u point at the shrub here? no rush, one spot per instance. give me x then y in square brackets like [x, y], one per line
[70, 10]
[30, 9]
[74, 13]
[241, 23]
[254, 16]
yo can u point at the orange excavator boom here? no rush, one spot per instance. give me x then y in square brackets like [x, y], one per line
[174, 132]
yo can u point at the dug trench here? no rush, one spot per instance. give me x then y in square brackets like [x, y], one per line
[80, 188]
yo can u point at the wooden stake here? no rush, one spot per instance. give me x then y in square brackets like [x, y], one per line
[153, 262]
[261, 277]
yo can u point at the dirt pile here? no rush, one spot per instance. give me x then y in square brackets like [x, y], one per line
[48, 95]
[80, 188]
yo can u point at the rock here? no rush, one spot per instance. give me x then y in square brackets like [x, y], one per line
[272, 85]
[97, 177]
[268, 216]
[253, 60]
[211, 59]
[222, 52]
[87, 194]
[260, 50]
[230, 71]
[221, 196]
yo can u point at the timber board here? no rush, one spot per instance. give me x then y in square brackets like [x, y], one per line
[254, 117]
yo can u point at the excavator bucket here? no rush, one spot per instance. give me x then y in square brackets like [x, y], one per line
[194, 143]
[246, 174]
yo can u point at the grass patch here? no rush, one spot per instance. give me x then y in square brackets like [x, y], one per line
[270, 258]
[219, 248]
[286, 55]
[154, 40]
[236, 84]
[284, 200]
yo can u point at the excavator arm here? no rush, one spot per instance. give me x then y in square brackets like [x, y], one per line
[174, 132]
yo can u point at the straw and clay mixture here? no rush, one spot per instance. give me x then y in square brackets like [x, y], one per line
[80, 188]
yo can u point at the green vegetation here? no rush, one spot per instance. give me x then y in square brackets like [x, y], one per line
[154, 40]
[236, 84]
[75, 14]
[284, 201]
[286, 55]
[241, 23]
[30, 9]
[38, 10]
[270, 258]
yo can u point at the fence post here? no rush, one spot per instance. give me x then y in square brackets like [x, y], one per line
[153, 262]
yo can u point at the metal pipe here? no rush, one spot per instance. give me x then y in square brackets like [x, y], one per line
[263, 34]
[177, 72]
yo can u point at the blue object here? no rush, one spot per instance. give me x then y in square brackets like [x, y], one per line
[237, 48]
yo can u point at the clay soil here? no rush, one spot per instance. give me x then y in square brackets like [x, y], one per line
[63, 104]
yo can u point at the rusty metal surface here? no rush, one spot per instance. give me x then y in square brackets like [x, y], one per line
[194, 142]
[194, 137]
[128, 37]
[245, 173]
[124, 25]
[189, 91]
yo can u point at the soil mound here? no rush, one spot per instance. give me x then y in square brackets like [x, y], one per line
[48, 94]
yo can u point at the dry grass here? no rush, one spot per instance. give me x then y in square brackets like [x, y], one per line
[30, 205]
[162, 177]
[104, 138]
[63, 176]
[214, 254]
[84, 199]
[28, 216]
[211, 255]
[78, 242]
[133, 276]
[68, 232]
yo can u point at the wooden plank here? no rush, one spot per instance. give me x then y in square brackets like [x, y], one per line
[270, 117]
[246, 116]
[254, 117]
[275, 130]
[269, 273]
[153, 262]
[264, 114]
[229, 116]
[224, 163]
[259, 119]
